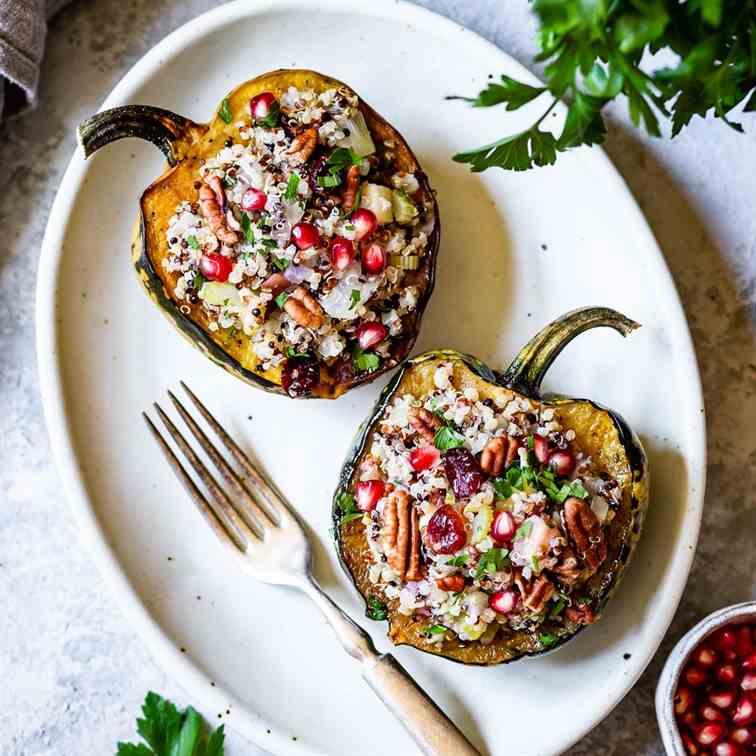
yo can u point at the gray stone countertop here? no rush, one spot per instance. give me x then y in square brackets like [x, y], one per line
[74, 674]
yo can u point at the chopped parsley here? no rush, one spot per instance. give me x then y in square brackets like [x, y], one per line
[355, 297]
[340, 158]
[367, 362]
[447, 438]
[523, 531]
[376, 609]
[436, 630]
[224, 111]
[293, 353]
[291, 187]
[246, 227]
[281, 298]
[198, 281]
[491, 561]
[229, 181]
[348, 508]
[535, 563]
[271, 119]
[279, 263]
[269, 243]
[558, 608]
[329, 181]
[547, 639]
[458, 561]
[192, 241]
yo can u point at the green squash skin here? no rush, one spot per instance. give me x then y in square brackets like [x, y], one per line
[629, 442]
[175, 136]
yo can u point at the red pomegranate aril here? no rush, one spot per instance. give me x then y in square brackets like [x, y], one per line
[373, 258]
[705, 657]
[463, 472]
[694, 676]
[541, 448]
[503, 527]
[253, 199]
[260, 105]
[683, 700]
[690, 719]
[749, 662]
[727, 674]
[305, 235]
[710, 733]
[446, 530]
[749, 681]
[367, 493]
[744, 711]
[711, 713]
[364, 222]
[741, 736]
[689, 744]
[744, 643]
[371, 333]
[722, 699]
[727, 749]
[725, 639]
[342, 253]
[215, 267]
[561, 462]
[503, 602]
[424, 457]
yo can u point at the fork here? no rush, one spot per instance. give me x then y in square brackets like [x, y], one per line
[266, 535]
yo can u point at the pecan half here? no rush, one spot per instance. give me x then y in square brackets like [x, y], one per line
[585, 530]
[351, 184]
[535, 595]
[498, 454]
[425, 423]
[580, 614]
[212, 202]
[304, 308]
[400, 536]
[567, 568]
[302, 147]
[452, 583]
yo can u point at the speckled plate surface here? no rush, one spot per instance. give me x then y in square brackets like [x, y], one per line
[518, 250]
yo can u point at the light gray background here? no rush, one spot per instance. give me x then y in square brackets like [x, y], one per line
[73, 675]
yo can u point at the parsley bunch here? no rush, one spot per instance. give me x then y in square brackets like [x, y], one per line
[593, 50]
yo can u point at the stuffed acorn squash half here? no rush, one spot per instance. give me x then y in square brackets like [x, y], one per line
[484, 521]
[293, 239]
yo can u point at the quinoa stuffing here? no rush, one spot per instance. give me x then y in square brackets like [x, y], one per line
[306, 240]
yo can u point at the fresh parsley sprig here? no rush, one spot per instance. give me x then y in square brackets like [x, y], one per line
[593, 53]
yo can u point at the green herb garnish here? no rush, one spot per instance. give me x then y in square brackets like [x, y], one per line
[491, 561]
[292, 353]
[347, 507]
[340, 158]
[281, 298]
[329, 181]
[229, 181]
[192, 241]
[354, 298]
[558, 608]
[269, 243]
[366, 362]
[246, 227]
[458, 561]
[376, 609]
[436, 630]
[270, 120]
[225, 111]
[523, 531]
[279, 263]
[547, 639]
[291, 187]
[447, 438]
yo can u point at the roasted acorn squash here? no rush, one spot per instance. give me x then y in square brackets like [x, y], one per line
[293, 239]
[483, 520]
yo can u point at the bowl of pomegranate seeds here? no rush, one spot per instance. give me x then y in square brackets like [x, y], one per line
[706, 696]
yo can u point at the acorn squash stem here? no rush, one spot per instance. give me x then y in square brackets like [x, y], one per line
[161, 127]
[529, 367]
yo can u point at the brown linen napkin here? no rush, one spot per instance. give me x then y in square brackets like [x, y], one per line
[23, 26]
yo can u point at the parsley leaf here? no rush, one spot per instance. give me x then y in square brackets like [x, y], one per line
[347, 508]
[192, 242]
[458, 561]
[279, 263]
[270, 120]
[246, 227]
[523, 531]
[291, 187]
[447, 438]
[224, 111]
[436, 630]
[329, 181]
[491, 561]
[170, 732]
[376, 609]
[293, 353]
[281, 299]
[354, 298]
[547, 639]
[340, 158]
[366, 362]
[513, 93]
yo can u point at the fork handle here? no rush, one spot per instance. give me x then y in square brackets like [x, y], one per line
[432, 730]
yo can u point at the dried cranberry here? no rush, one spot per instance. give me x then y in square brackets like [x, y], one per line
[299, 376]
[463, 471]
[446, 530]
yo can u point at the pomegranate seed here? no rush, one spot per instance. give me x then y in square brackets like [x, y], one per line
[342, 253]
[689, 719]
[749, 681]
[711, 714]
[727, 674]
[749, 662]
[253, 199]
[683, 700]
[744, 644]
[729, 656]
[705, 657]
[446, 530]
[371, 333]
[305, 235]
[503, 602]
[424, 457]
[503, 527]
[561, 462]
[373, 258]
[364, 222]
[367, 494]
[260, 105]
[541, 448]
[215, 267]
[710, 733]
[741, 736]
[690, 746]
[723, 699]
[694, 676]
[725, 639]
[744, 711]
[727, 749]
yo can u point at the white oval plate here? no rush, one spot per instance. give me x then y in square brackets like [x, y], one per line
[517, 251]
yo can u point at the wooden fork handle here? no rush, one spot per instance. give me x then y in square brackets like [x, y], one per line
[431, 729]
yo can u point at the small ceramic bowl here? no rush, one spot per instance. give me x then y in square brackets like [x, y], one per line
[665, 690]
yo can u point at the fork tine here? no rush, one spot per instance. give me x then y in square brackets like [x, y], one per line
[274, 500]
[223, 507]
[256, 515]
[228, 537]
